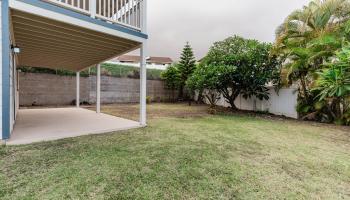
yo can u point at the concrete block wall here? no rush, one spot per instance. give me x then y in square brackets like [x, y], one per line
[49, 89]
[127, 90]
[116, 90]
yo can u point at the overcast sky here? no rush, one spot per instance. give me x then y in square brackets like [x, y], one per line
[201, 22]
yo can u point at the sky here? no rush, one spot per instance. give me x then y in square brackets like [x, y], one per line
[171, 23]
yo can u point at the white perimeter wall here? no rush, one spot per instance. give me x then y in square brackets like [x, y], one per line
[284, 103]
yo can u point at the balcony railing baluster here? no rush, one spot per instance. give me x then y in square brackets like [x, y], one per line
[124, 12]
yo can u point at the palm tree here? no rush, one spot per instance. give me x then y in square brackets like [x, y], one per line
[309, 37]
[313, 21]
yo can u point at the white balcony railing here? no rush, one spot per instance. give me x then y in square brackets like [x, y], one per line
[128, 13]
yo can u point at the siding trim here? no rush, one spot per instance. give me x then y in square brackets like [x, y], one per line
[5, 12]
[64, 11]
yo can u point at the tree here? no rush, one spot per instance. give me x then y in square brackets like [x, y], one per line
[205, 81]
[333, 85]
[186, 67]
[243, 67]
[306, 43]
[309, 37]
[171, 76]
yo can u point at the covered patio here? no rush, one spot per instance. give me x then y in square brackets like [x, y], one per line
[46, 35]
[38, 125]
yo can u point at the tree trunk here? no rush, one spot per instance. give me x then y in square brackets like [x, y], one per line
[233, 106]
[338, 110]
[231, 98]
[181, 92]
[211, 100]
[303, 86]
[173, 95]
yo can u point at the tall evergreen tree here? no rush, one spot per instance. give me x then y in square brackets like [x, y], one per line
[186, 67]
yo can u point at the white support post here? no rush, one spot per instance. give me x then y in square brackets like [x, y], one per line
[144, 16]
[143, 84]
[143, 64]
[77, 101]
[92, 5]
[98, 89]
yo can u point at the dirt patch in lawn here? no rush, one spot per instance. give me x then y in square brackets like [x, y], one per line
[156, 110]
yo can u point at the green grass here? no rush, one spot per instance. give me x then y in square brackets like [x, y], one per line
[107, 69]
[211, 157]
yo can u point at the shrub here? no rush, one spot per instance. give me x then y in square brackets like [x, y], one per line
[171, 76]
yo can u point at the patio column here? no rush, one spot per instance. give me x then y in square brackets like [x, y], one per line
[78, 89]
[143, 84]
[143, 65]
[98, 89]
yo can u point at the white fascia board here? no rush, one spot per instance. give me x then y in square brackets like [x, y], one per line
[24, 7]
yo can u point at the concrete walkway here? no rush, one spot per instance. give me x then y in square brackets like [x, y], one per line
[37, 125]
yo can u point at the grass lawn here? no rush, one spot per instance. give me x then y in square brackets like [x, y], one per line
[185, 154]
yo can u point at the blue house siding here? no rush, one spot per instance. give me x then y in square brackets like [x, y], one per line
[5, 28]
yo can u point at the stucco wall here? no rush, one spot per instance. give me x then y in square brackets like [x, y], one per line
[283, 103]
[48, 89]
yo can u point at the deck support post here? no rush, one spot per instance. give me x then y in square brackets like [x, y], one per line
[98, 89]
[143, 66]
[78, 90]
[143, 84]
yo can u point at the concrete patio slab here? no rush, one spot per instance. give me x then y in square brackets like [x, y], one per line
[37, 125]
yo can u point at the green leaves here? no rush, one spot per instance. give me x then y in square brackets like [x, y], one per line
[309, 43]
[171, 77]
[187, 63]
[241, 66]
[319, 27]
[333, 86]
[335, 80]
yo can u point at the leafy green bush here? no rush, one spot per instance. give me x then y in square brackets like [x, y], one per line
[206, 81]
[172, 79]
[333, 86]
[148, 99]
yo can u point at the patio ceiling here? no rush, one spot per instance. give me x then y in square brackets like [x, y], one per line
[52, 44]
